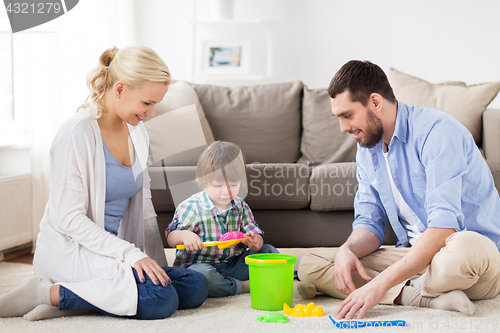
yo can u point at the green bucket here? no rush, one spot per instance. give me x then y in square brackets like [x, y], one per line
[271, 280]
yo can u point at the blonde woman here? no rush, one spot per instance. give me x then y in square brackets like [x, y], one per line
[99, 246]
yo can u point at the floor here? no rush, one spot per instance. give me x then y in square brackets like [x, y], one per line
[23, 256]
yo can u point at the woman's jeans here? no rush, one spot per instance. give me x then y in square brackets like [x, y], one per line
[188, 289]
[224, 277]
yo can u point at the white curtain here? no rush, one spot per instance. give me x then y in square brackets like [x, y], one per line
[50, 64]
[36, 94]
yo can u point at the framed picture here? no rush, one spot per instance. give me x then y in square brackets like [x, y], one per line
[225, 58]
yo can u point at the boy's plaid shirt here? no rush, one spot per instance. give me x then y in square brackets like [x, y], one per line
[199, 215]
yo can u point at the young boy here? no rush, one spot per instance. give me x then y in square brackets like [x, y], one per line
[207, 215]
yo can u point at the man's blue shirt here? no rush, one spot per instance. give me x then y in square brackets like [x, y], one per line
[439, 171]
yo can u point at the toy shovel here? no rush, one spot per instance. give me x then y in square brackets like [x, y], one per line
[228, 239]
[219, 244]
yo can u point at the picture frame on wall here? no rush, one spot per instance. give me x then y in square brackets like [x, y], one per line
[225, 58]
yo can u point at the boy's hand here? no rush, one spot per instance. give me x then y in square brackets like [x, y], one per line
[253, 241]
[191, 241]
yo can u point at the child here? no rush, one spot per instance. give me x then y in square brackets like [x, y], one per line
[209, 214]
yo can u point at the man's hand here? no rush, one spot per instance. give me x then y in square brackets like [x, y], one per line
[345, 263]
[369, 295]
[360, 300]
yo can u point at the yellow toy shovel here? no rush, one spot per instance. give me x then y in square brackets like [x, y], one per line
[219, 244]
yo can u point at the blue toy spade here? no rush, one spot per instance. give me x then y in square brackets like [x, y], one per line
[373, 323]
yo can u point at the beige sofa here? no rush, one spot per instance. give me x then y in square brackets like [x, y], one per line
[301, 171]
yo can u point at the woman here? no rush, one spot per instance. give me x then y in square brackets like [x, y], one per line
[99, 222]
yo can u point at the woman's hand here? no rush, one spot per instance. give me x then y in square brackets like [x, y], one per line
[153, 270]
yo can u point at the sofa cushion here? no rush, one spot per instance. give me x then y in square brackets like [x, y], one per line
[171, 185]
[278, 186]
[263, 120]
[175, 134]
[464, 103]
[181, 94]
[269, 186]
[333, 186]
[322, 141]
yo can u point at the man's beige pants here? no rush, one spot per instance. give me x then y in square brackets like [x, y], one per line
[469, 262]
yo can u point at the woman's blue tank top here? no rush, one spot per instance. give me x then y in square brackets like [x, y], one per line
[122, 183]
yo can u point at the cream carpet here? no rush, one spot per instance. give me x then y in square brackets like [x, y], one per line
[235, 314]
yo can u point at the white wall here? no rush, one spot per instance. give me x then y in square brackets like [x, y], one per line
[50, 65]
[84, 33]
[164, 26]
[52, 60]
[437, 40]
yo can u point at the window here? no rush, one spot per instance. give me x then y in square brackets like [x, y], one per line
[6, 79]
[13, 127]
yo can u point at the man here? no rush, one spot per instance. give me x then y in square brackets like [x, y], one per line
[421, 170]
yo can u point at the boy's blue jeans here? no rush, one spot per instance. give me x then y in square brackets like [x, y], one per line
[188, 289]
[224, 277]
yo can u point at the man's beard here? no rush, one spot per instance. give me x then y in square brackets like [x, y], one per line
[374, 132]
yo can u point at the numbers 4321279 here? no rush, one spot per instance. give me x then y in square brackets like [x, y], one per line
[38, 8]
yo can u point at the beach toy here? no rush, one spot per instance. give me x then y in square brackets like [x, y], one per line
[273, 318]
[271, 280]
[220, 245]
[228, 239]
[371, 323]
[301, 310]
[232, 235]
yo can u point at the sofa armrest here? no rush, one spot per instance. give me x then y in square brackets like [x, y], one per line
[491, 135]
[495, 172]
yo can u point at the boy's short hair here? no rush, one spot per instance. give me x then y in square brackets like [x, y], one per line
[222, 162]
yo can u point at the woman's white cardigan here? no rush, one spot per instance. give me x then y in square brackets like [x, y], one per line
[73, 249]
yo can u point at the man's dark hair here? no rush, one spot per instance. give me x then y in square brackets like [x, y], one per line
[361, 78]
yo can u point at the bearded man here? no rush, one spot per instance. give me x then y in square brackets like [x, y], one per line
[421, 170]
